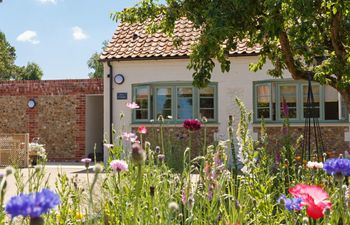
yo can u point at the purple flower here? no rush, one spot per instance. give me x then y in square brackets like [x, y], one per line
[291, 204]
[183, 197]
[285, 108]
[337, 166]
[192, 124]
[119, 165]
[277, 157]
[32, 204]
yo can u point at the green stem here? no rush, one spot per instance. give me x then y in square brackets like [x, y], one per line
[138, 189]
[162, 138]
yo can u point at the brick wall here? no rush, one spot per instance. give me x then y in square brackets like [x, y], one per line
[178, 137]
[333, 137]
[58, 118]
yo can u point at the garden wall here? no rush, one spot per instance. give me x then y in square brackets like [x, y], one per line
[176, 140]
[58, 118]
[333, 137]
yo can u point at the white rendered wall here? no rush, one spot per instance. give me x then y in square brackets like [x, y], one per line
[238, 82]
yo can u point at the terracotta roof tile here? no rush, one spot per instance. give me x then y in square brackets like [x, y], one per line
[132, 41]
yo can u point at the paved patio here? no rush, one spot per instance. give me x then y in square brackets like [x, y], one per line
[51, 171]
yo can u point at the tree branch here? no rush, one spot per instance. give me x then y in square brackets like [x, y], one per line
[288, 58]
[335, 36]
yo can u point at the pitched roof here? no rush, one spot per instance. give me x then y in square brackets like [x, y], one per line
[131, 41]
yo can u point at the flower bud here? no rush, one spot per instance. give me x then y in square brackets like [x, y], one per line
[305, 220]
[157, 150]
[151, 190]
[161, 157]
[9, 170]
[327, 211]
[173, 206]
[98, 168]
[138, 155]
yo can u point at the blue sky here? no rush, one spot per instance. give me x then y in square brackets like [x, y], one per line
[59, 35]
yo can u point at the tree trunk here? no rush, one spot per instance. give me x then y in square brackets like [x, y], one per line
[346, 96]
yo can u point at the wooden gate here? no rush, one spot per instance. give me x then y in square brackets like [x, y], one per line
[14, 149]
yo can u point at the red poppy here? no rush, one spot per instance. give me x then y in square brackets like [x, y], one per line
[314, 198]
[142, 129]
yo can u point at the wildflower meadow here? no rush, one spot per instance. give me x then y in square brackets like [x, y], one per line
[236, 181]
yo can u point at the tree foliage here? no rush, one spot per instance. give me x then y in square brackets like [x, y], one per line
[95, 64]
[30, 72]
[7, 58]
[8, 69]
[306, 37]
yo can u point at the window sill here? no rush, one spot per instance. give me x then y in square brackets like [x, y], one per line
[342, 123]
[136, 124]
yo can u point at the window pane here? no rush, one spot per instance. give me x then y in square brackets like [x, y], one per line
[208, 113]
[263, 101]
[206, 92]
[184, 103]
[163, 99]
[263, 113]
[331, 104]
[142, 99]
[288, 94]
[206, 103]
[314, 111]
[141, 114]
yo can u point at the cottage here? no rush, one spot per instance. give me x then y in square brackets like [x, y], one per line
[149, 70]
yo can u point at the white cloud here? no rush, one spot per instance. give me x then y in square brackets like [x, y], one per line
[28, 36]
[78, 33]
[47, 1]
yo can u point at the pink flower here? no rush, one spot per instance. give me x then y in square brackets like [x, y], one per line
[314, 197]
[119, 165]
[192, 124]
[142, 129]
[132, 105]
[85, 160]
[129, 136]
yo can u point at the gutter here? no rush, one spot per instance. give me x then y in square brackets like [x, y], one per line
[110, 75]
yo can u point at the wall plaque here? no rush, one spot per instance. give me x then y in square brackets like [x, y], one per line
[122, 95]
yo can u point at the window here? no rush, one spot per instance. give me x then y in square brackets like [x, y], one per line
[327, 104]
[164, 101]
[207, 102]
[142, 98]
[263, 101]
[315, 107]
[184, 103]
[288, 95]
[174, 101]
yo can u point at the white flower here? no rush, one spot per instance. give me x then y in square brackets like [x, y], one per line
[314, 165]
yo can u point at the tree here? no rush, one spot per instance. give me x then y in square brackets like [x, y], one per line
[30, 72]
[7, 58]
[308, 38]
[8, 69]
[95, 64]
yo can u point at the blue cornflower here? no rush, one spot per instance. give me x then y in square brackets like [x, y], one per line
[32, 204]
[292, 204]
[337, 166]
